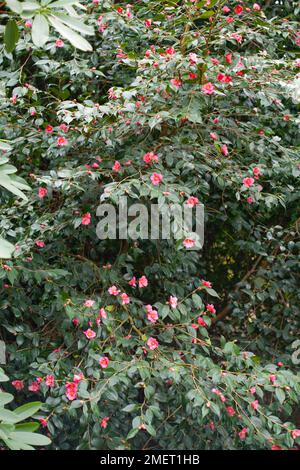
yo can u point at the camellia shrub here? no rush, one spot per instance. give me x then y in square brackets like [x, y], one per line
[146, 344]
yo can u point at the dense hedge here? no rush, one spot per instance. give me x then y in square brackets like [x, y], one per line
[213, 93]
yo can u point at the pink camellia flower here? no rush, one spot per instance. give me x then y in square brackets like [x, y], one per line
[297, 63]
[90, 334]
[43, 422]
[125, 298]
[49, 381]
[89, 303]
[75, 322]
[28, 24]
[238, 9]
[61, 141]
[248, 182]
[201, 322]
[71, 390]
[104, 361]
[150, 158]
[224, 150]
[176, 82]
[206, 283]
[78, 378]
[18, 384]
[189, 242]
[213, 136]
[129, 12]
[132, 282]
[152, 316]
[49, 129]
[143, 282]
[86, 219]
[192, 201]
[230, 411]
[64, 127]
[170, 50]
[34, 387]
[237, 37]
[148, 23]
[276, 447]
[228, 58]
[116, 166]
[280, 364]
[173, 301]
[152, 343]
[208, 88]
[226, 9]
[242, 434]
[156, 178]
[256, 172]
[192, 76]
[40, 243]
[255, 404]
[13, 99]
[295, 433]
[210, 308]
[272, 378]
[102, 313]
[249, 200]
[103, 422]
[252, 390]
[59, 43]
[113, 290]
[42, 192]
[256, 7]
[193, 59]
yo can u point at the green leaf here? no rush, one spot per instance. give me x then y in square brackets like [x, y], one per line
[7, 416]
[30, 427]
[11, 36]
[280, 395]
[6, 251]
[5, 398]
[15, 6]
[30, 6]
[76, 24]
[30, 438]
[63, 3]
[27, 410]
[3, 377]
[40, 30]
[4, 146]
[75, 39]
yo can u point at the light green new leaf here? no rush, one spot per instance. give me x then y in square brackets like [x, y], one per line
[75, 39]
[40, 30]
[6, 251]
[30, 6]
[63, 3]
[76, 24]
[7, 183]
[30, 438]
[5, 398]
[14, 5]
[27, 410]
